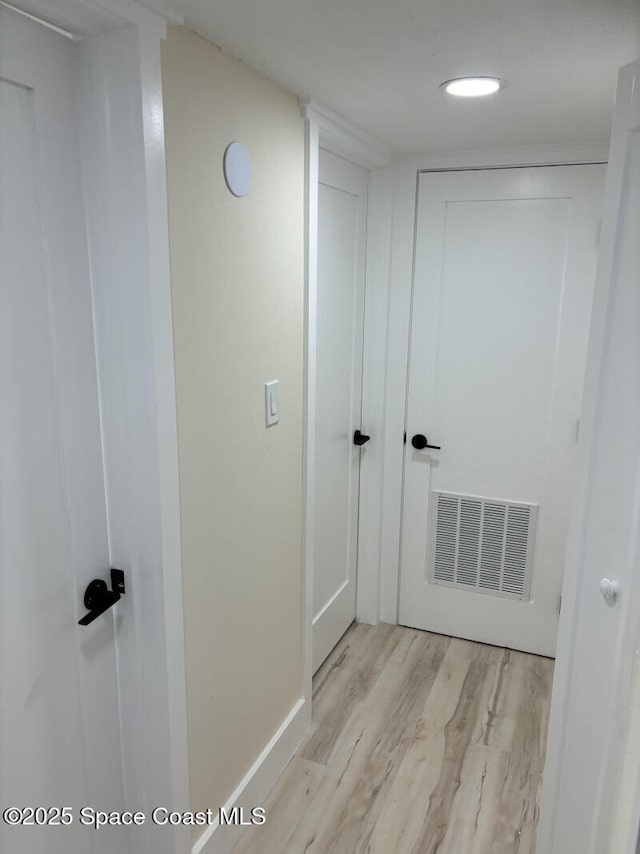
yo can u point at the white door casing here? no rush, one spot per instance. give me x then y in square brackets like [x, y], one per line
[597, 641]
[342, 209]
[61, 740]
[501, 304]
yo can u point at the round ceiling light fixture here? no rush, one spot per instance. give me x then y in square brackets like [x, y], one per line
[472, 87]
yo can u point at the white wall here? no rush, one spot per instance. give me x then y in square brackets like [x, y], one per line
[237, 268]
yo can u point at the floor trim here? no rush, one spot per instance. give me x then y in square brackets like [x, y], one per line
[258, 781]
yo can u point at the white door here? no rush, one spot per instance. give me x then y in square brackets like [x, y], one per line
[597, 648]
[60, 732]
[503, 282]
[342, 210]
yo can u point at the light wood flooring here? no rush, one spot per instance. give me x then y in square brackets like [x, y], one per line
[420, 744]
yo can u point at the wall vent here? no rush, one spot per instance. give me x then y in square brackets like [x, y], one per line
[483, 544]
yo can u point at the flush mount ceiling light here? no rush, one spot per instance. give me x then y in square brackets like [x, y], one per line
[472, 87]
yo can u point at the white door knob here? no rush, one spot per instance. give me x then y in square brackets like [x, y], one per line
[610, 591]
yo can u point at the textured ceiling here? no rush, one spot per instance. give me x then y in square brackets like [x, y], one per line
[379, 63]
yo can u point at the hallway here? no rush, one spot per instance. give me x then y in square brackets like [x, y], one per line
[420, 743]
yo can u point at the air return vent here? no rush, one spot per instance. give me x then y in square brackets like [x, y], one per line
[482, 544]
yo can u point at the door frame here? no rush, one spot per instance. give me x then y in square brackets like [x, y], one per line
[530, 630]
[121, 133]
[326, 129]
[398, 299]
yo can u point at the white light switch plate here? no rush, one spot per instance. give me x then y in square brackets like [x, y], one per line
[272, 402]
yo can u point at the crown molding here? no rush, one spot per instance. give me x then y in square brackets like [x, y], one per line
[86, 18]
[344, 138]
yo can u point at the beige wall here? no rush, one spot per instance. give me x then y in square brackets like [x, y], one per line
[237, 284]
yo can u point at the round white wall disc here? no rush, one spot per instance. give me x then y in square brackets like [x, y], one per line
[237, 169]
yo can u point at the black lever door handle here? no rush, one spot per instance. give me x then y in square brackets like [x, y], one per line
[360, 438]
[420, 442]
[98, 598]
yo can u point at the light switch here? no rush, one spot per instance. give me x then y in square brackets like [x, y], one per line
[272, 401]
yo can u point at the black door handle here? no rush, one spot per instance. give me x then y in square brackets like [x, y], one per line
[98, 598]
[419, 441]
[360, 438]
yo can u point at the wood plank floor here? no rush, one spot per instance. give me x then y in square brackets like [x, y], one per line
[420, 744]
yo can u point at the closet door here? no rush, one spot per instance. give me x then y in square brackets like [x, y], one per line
[503, 284]
[342, 211]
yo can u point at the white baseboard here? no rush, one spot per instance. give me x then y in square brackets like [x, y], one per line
[258, 781]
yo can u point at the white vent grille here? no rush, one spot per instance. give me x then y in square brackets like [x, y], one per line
[483, 544]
